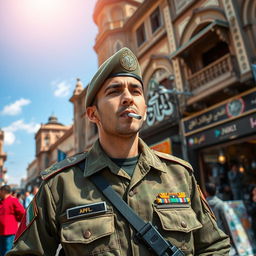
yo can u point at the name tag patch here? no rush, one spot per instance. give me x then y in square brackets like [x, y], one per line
[87, 209]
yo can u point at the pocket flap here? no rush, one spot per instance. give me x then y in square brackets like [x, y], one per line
[180, 219]
[87, 230]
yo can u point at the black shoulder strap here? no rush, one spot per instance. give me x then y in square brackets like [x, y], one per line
[146, 232]
[127, 212]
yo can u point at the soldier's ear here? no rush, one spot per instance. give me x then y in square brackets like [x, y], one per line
[92, 114]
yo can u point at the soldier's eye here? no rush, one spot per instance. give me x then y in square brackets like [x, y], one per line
[112, 92]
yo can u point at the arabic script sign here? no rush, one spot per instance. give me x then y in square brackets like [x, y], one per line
[223, 112]
[159, 104]
[235, 128]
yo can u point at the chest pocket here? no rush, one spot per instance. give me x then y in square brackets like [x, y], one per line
[90, 236]
[178, 225]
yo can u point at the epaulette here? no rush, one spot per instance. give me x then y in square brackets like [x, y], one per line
[174, 159]
[60, 166]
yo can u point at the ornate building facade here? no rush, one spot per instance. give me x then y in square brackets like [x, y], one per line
[54, 142]
[197, 60]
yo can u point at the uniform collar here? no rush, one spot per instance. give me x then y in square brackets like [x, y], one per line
[148, 157]
[97, 160]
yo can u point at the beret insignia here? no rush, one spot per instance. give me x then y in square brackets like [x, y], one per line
[128, 61]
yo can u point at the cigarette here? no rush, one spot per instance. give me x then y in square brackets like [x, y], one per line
[134, 116]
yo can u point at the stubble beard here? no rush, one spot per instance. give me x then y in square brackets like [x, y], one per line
[121, 131]
[129, 132]
[118, 130]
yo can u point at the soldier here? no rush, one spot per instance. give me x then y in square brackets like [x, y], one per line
[160, 188]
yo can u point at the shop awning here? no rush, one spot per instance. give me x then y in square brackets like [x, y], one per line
[202, 33]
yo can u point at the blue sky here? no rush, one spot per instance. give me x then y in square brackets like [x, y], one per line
[44, 46]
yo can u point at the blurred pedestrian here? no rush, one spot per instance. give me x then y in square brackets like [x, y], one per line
[19, 197]
[251, 208]
[14, 193]
[27, 199]
[218, 208]
[29, 196]
[235, 178]
[11, 212]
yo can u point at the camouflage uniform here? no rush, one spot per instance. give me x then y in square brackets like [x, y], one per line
[190, 227]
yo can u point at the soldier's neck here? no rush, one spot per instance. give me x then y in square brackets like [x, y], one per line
[120, 147]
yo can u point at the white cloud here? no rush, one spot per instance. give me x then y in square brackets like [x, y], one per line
[15, 108]
[19, 125]
[9, 138]
[61, 89]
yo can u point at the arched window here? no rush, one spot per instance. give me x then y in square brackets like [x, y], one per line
[159, 74]
[46, 140]
[163, 77]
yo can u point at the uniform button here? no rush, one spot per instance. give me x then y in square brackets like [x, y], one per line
[87, 234]
[131, 193]
[183, 247]
[183, 224]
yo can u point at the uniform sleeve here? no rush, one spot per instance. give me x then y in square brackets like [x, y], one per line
[18, 210]
[37, 234]
[209, 240]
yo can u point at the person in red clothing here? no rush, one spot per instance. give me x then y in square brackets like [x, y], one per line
[11, 212]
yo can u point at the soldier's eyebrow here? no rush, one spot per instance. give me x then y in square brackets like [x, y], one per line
[136, 86]
[113, 86]
[119, 85]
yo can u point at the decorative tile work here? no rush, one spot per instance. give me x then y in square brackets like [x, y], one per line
[173, 47]
[236, 34]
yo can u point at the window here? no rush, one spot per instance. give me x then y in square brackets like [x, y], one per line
[46, 141]
[155, 20]
[141, 35]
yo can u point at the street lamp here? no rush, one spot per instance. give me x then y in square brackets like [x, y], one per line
[176, 92]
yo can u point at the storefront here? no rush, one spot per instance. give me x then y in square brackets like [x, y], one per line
[221, 135]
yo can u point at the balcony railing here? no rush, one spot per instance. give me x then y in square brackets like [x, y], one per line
[223, 67]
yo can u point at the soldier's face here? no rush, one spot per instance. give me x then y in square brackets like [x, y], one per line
[118, 97]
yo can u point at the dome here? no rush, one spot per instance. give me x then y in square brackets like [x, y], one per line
[53, 120]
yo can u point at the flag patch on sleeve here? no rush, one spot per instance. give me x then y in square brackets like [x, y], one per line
[28, 218]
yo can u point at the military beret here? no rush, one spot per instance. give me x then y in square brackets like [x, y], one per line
[122, 63]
